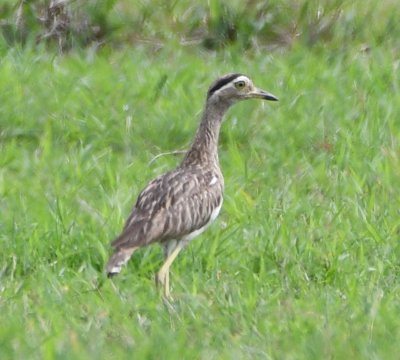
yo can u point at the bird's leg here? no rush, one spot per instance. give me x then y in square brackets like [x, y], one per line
[162, 277]
[168, 248]
[166, 283]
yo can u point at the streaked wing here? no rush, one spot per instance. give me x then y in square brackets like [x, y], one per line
[171, 206]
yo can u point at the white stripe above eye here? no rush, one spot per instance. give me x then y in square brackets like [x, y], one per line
[242, 78]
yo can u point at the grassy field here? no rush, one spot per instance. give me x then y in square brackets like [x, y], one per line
[304, 261]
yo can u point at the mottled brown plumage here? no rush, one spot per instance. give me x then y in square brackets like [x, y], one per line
[171, 206]
[177, 206]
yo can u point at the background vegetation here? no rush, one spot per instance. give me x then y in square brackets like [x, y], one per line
[304, 260]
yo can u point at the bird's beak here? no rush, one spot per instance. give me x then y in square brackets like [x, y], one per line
[261, 94]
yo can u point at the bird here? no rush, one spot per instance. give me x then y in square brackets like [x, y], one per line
[179, 205]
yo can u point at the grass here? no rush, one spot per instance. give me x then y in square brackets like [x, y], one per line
[217, 24]
[303, 262]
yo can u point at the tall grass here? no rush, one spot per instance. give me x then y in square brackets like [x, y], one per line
[303, 262]
[216, 24]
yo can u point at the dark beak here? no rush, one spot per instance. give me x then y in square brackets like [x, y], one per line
[261, 94]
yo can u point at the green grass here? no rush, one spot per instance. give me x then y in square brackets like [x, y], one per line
[304, 260]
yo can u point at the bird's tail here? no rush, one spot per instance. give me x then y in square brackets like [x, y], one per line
[119, 259]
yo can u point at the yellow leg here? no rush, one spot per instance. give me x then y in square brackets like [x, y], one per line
[166, 286]
[162, 277]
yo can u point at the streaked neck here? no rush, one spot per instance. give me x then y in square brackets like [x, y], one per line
[205, 145]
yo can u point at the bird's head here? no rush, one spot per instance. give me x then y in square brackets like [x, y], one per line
[232, 88]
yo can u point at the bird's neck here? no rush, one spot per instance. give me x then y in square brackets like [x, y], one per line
[204, 149]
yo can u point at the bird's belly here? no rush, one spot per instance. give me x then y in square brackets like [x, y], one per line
[197, 232]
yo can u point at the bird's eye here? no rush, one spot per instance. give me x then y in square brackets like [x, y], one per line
[240, 84]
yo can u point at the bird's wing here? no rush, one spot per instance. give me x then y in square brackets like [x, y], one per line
[171, 206]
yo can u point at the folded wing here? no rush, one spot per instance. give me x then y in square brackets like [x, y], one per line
[171, 206]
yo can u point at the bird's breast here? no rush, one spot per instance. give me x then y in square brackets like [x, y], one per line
[197, 232]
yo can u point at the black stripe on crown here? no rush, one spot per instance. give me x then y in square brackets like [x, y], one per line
[219, 83]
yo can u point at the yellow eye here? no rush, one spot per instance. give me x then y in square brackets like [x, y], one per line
[240, 84]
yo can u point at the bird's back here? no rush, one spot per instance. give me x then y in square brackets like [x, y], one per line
[173, 206]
